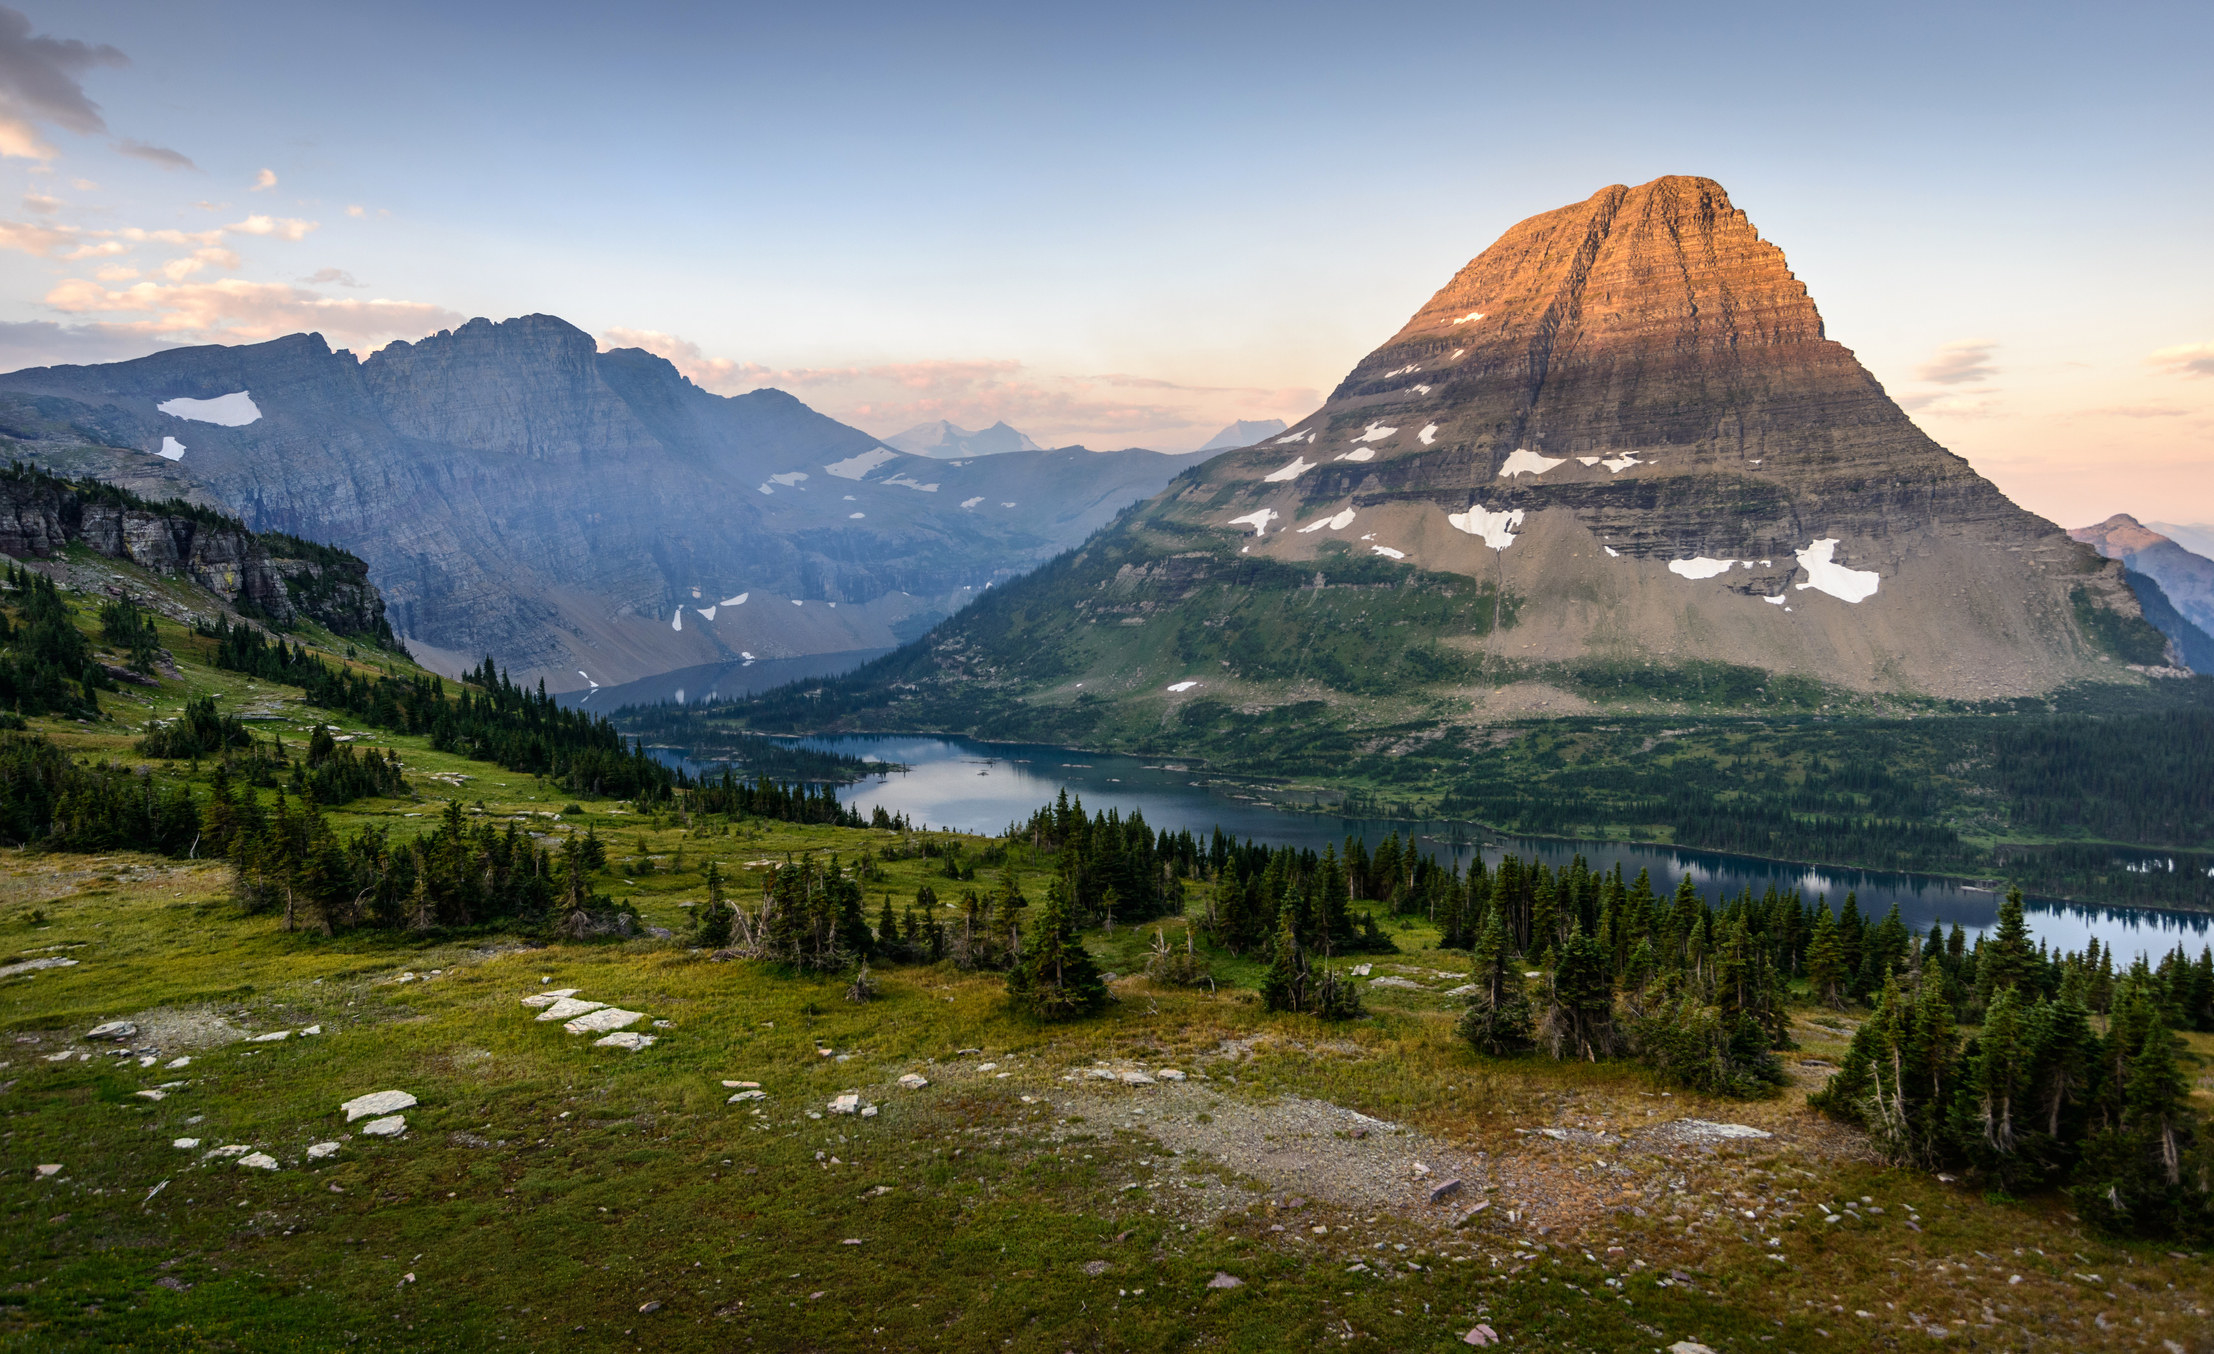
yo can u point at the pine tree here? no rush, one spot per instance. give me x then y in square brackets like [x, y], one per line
[1498, 1017]
[1579, 1021]
[1334, 933]
[2145, 1174]
[1056, 979]
[2008, 957]
[1995, 1112]
[1826, 960]
[1284, 986]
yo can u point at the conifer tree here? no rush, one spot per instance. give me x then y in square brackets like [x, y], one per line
[1498, 1017]
[1826, 960]
[1284, 986]
[1579, 1021]
[1056, 979]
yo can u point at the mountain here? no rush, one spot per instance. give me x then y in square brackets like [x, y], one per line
[1614, 462]
[585, 517]
[946, 442]
[1243, 433]
[2186, 579]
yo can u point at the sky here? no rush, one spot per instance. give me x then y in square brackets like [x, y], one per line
[1126, 225]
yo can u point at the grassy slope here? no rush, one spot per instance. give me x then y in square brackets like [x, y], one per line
[547, 1189]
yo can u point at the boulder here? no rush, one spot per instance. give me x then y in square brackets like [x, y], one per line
[260, 1161]
[625, 1039]
[747, 1095]
[543, 999]
[914, 1081]
[113, 1029]
[1441, 1192]
[849, 1103]
[1222, 1280]
[318, 1151]
[185, 1142]
[391, 1126]
[377, 1102]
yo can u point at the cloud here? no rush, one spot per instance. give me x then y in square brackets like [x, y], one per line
[231, 309]
[265, 179]
[160, 156]
[328, 276]
[1961, 363]
[356, 210]
[2186, 359]
[978, 392]
[283, 227]
[39, 84]
[41, 204]
[43, 343]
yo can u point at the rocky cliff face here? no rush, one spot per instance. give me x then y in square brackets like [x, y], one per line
[1615, 455]
[276, 577]
[584, 517]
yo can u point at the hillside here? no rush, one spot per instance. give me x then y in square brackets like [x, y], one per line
[2184, 577]
[589, 517]
[1614, 464]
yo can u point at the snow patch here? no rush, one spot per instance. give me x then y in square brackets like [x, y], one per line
[797, 602]
[789, 478]
[905, 482]
[1618, 464]
[676, 622]
[706, 611]
[1420, 389]
[1357, 454]
[1495, 529]
[855, 516]
[1182, 686]
[234, 410]
[1455, 354]
[1428, 434]
[1375, 432]
[739, 600]
[1826, 575]
[1523, 461]
[1699, 566]
[1298, 467]
[1388, 552]
[1258, 520]
[1777, 600]
[854, 467]
[1340, 522]
[1612, 553]
[1399, 371]
[1292, 436]
[1470, 318]
[171, 449]
[972, 502]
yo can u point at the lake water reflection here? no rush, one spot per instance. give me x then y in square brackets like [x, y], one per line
[983, 787]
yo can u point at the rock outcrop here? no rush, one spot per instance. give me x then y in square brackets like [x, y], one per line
[275, 577]
[1615, 459]
[584, 516]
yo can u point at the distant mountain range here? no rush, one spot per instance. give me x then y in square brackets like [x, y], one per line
[584, 517]
[1243, 433]
[2184, 580]
[1615, 463]
[2196, 537]
[946, 442]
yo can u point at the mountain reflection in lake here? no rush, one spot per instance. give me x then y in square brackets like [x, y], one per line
[983, 787]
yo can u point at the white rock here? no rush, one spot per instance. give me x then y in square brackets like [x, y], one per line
[1136, 1079]
[185, 1143]
[49, 1168]
[1222, 1280]
[317, 1151]
[34, 965]
[1702, 1128]
[986, 1067]
[392, 1126]
[176, 1063]
[1688, 1347]
[625, 1039]
[849, 1103]
[113, 1029]
[549, 998]
[313, 1029]
[868, 1111]
[601, 1021]
[273, 1037]
[1170, 1074]
[1464, 990]
[741, 1085]
[151, 1095]
[377, 1102]
[747, 1095]
[1360, 970]
[260, 1161]
[1389, 981]
[914, 1081]
[233, 1150]
[569, 1008]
